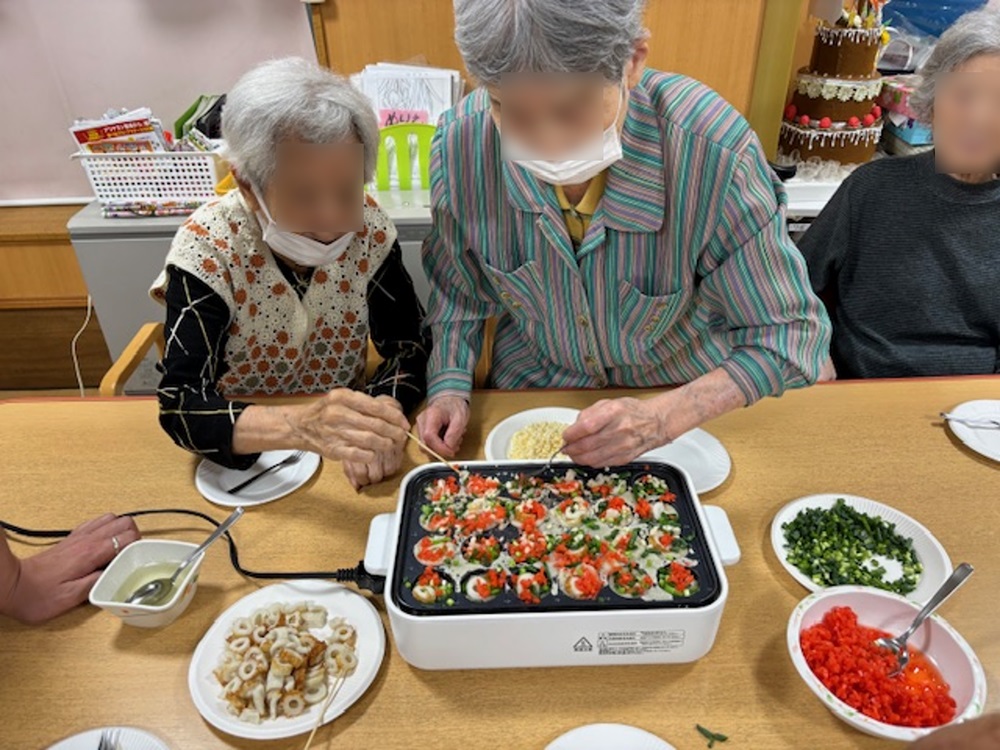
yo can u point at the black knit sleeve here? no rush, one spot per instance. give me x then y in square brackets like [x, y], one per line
[192, 411]
[396, 320]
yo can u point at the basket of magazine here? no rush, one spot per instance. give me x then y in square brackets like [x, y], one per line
[134, 172]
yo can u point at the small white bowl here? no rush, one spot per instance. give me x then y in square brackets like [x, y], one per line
[498, 441]
[133, 557]
[953, 657]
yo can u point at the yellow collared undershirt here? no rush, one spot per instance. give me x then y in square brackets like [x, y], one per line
[578, 217]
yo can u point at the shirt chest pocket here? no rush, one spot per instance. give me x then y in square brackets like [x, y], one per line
[645, 318]
[520, 291]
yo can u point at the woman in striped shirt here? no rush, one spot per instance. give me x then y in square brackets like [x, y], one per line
[625, 230]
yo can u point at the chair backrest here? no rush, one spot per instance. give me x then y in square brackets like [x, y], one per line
[401, 136]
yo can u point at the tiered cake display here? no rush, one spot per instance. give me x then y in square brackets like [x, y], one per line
[833, 115]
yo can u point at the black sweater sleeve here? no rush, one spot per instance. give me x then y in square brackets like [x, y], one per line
[396, 320]
[192, 411]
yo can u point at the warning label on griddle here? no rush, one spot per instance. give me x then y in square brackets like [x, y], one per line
[634, 642]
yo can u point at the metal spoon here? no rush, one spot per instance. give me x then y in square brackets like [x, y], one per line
[546, 466]
[151, 593]
[898, 644]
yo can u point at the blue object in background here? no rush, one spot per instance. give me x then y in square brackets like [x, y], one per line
[928, 16]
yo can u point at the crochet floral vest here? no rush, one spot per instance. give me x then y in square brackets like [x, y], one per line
[278, 343]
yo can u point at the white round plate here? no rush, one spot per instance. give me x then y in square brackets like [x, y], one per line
[213, 481]
[930, 553]
[984, 441]
[604, 736]
[339, 602]
[701, 454]
[129, 738]
[697, 452]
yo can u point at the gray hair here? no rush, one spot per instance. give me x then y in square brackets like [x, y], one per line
[547, 36]
[295, 99]
[974, 34]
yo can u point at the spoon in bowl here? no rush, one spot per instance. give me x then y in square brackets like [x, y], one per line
[898, 644]
[153, 592]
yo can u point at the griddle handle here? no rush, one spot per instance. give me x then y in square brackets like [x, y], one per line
[722, 534]
[378, 551]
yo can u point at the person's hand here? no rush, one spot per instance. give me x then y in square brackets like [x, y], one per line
[613, 432]
[442, 424]
[59, 578]
[828, 371]
[979, 734]
[386, 464]
[346, 425]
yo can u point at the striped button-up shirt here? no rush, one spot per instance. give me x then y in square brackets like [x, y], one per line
[686, 266]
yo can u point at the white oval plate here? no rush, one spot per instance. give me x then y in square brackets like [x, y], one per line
[339, 602]
[930, 553]
[984, 441]
[213, 481]
[129, 738]
[602, 736]
[698, 452]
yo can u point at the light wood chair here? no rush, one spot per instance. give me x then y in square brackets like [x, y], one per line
[148, 336]
[151, 334]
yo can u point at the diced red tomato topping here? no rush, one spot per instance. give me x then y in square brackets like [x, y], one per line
[842, 654]
[680, 577]
[588, 583]
[480, 485]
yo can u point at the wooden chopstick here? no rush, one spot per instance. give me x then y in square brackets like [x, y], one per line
[435, 454]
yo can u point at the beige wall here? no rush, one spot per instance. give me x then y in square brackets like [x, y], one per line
[715, 41]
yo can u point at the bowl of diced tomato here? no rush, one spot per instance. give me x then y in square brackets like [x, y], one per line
[831, 638]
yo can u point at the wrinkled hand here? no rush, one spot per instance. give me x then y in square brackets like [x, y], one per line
[346, 425]
[442, 424]
[385, 465]
[60, 578]
[613, 432]
[979, 734]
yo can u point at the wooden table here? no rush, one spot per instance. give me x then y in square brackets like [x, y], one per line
[69, 460]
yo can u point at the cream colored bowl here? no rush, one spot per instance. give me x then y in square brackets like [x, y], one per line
[953, 657]
[135, 556]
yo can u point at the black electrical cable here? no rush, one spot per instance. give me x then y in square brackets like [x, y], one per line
[357, 575]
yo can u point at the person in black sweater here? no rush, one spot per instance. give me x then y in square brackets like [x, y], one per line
[276, 289]
[906, 255]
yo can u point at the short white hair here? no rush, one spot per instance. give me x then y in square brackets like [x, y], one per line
[974, 34]
[496, 37]
[293, 99]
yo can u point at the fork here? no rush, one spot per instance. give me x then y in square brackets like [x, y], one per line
[898, 644]
[109, 740]
[287, 461]
[982, 423]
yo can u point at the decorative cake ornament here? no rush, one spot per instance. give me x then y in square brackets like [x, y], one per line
[832, 115]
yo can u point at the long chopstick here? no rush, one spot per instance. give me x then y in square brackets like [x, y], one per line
[435, 454]
[338, 683]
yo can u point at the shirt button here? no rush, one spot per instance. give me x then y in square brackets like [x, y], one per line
[516, 305]
[582, 320]
[648, 329]
[589, 360]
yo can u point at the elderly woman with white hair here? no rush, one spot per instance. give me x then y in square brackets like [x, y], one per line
[275, 288]
[620, 224]
[907, 253]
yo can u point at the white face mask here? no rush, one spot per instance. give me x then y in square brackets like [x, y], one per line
[298, 249]
[575, 171]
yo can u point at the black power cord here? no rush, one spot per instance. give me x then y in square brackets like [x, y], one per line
[356, 575]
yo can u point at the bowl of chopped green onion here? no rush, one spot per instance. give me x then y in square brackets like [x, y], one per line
[846, 540]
